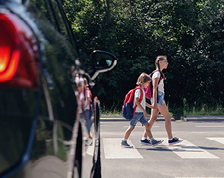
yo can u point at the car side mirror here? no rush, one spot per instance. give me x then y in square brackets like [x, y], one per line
[102, 61]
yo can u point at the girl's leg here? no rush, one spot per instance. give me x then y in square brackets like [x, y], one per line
[148, 131]
[88, 123]
[128, 132]
[154, 114]
[153, 118]
[149, 134]
[164, 111]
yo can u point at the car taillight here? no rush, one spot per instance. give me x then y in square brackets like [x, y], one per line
[18, 53]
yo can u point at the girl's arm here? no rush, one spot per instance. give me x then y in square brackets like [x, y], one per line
[140, 106]
[149, 106]
[155, 86]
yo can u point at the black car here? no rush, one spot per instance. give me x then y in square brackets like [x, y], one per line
[41, 133]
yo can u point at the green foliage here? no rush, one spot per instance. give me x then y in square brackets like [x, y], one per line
[189, 32]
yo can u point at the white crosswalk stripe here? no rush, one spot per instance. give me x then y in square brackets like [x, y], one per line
[139, 126]
[210, 126]
[218, 139]
[199, 177]
[188, 150]
[113, 150]
[184, 149]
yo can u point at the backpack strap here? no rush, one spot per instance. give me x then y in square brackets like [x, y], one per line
[158, 82]
[156, 71]
[90, 95]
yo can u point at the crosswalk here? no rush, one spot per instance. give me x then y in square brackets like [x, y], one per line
[113, 150]
[188, 150]
[218, 139]
[184, 149]
[199, 177]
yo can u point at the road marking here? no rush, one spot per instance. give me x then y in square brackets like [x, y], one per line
[199, 177]
[218, 139]
[188, 150]
[141, 126]
[209, 126]
[114, 150]
[90, 150]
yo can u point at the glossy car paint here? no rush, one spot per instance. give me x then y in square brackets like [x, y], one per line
[41, 133]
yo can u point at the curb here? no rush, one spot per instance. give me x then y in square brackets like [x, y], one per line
[204, 118]
[160, 118]
[120, 118]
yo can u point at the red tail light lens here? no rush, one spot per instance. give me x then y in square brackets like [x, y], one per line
[18, 53]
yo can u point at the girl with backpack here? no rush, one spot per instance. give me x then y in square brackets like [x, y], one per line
[87, 107]
[158, 102]
[140, 114]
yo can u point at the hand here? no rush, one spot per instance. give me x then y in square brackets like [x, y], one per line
[154, 106]
[145, 114]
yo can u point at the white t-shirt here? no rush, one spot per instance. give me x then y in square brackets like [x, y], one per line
[161, 83]
[137, 95]
[81, 97]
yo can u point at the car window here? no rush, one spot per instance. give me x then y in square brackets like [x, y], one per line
[44, 7]
[52, 10]
[60, 23]
[63, 23]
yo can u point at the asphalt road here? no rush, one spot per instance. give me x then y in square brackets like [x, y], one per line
[201, 154]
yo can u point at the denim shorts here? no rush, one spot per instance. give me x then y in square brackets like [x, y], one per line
[139, 116]
[160, 101]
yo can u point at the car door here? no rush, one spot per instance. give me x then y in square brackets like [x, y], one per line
[58, 106]
[41, 132]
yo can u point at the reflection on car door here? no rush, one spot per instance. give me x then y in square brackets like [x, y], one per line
[58, 105]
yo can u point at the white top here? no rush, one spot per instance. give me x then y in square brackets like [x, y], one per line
[161, 83]
[85, 99]
[81, 97]
[137, 95]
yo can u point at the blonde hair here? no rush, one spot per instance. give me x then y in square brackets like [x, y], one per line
[160, 58]
[143, 78]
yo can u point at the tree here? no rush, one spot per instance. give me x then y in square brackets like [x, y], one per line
[189, 32]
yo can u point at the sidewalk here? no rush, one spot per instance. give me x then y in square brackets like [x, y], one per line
[120, 118]
[204, 118]
[161, 118]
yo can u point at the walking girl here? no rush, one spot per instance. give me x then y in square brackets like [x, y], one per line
[87, 108]
[157, 100]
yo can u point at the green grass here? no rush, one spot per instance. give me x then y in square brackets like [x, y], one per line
[204, 111]
[194, 111]
[112, 112]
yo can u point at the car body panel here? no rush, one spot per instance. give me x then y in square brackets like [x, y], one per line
[42, 134]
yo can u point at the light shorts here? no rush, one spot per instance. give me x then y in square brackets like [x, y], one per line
[139, 116]
[160, 101]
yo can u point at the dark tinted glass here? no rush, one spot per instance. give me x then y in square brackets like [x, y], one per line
[44, 7]
[61, 21]
[53, 11]
[103, 60]
[17, 111]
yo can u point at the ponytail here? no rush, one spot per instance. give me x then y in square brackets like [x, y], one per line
[160, 58]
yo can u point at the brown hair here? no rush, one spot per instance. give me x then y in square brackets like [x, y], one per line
[160, 58]
[143, 78]
[86, 82]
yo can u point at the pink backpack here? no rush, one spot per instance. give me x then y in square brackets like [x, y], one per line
[148, 90]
